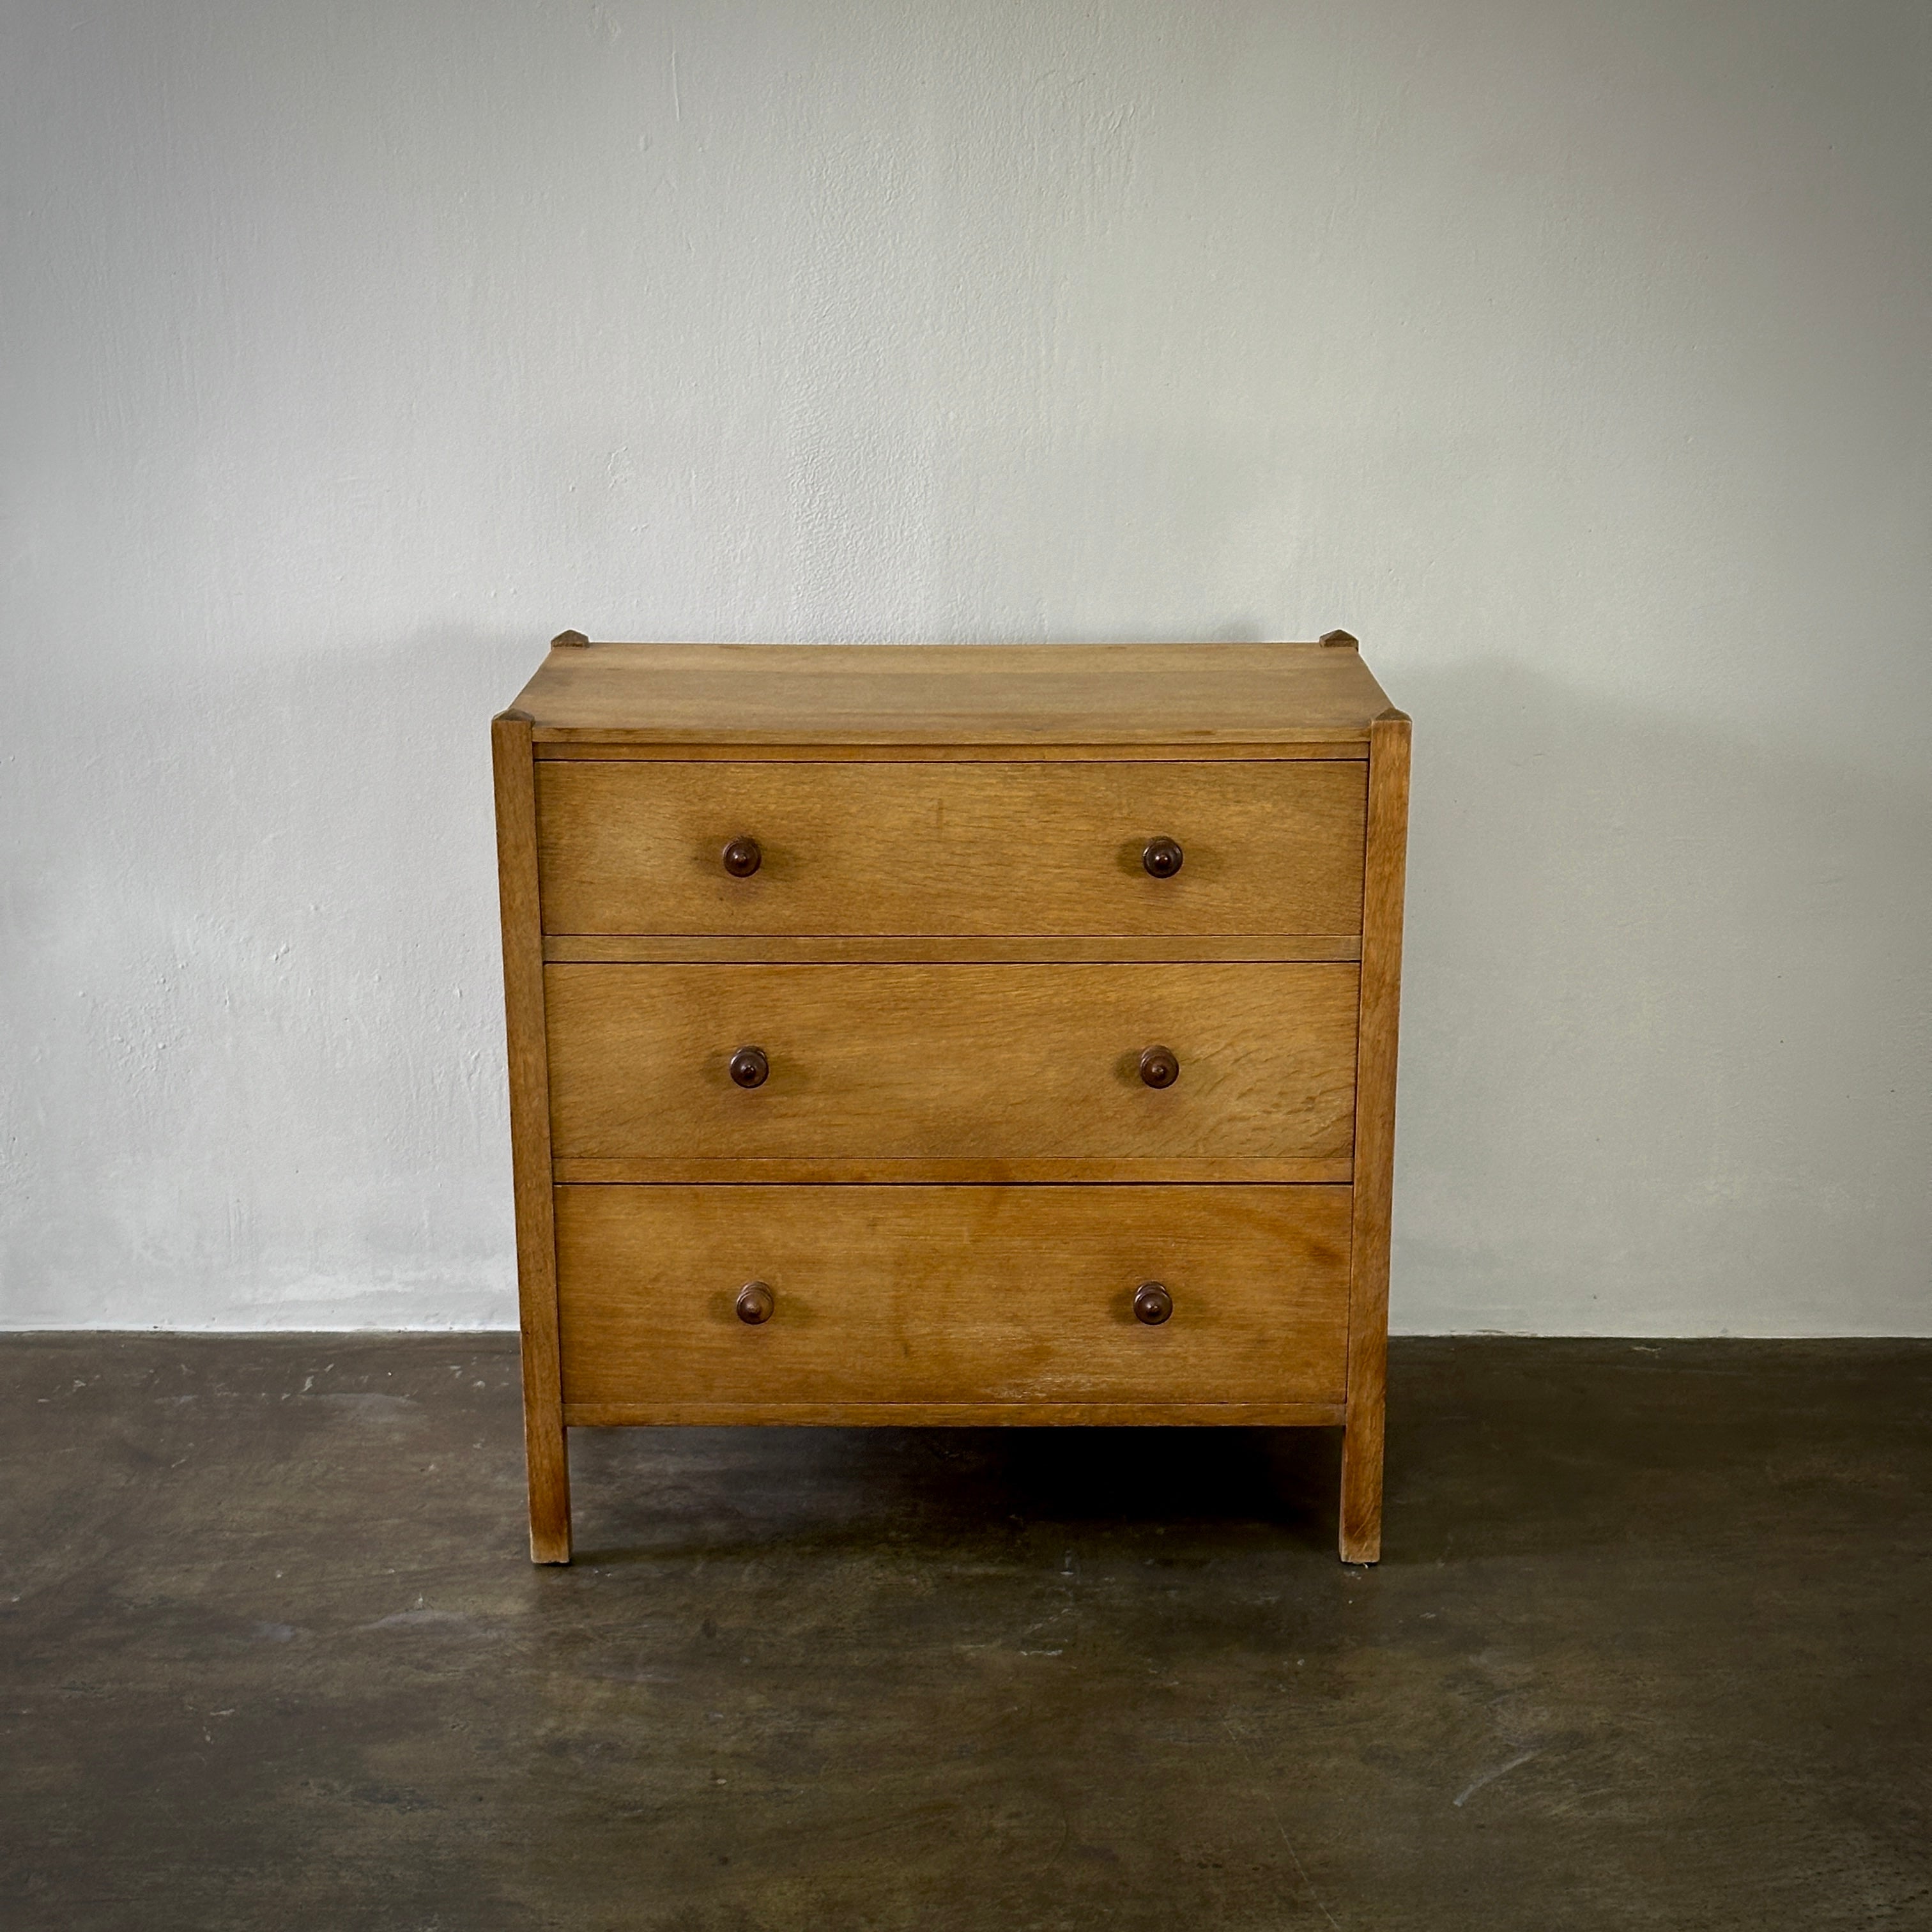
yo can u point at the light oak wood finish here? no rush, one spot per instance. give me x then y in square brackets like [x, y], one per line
[566, 750]
[1361, 1532]
[931, 1063]
[953, 1295]
[679, 949]
[852, 695]
[1204, 1171]
[1269, 848]
[544, 1450]
[957, 1414]
[953, 1184]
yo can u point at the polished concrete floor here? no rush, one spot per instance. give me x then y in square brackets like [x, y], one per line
[1651, 1648]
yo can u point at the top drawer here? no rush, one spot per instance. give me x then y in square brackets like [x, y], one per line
[1267, 846]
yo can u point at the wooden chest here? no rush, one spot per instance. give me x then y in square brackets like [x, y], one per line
[952, 1034]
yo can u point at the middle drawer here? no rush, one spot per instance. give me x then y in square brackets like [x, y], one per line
[991, 1072]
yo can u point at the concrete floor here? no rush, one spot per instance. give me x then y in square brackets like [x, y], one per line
[1652, 1647]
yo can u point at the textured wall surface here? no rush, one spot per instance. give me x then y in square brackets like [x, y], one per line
[1572, 355]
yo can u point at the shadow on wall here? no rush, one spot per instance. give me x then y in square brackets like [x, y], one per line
[1666, 1024]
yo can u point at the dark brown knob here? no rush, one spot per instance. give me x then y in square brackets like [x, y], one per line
[1153, 1304]
[1162, 857]
[1160, 1066]
[756, 1301]
[742, 858]
[749, 1066]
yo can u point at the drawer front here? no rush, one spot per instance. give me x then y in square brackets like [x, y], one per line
[940, 1295]
[1267, 847]
[953, 1063]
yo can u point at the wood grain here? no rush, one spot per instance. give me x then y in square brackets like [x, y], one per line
[641, 1170]
[952, 849]
[544, 1442]
[950, 1296]
[954, 694]
[575, 745]
[679, 949]
[1361, 1513]
[958, 1414]
[954, 1179]
[1036, 1063]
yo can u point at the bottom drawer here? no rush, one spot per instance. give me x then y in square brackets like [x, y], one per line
[939, 1298]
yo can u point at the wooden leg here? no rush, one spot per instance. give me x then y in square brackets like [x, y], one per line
[544, 1452]
[549, 1464]
[1361, 1537]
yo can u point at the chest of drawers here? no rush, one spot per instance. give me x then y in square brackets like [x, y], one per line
[952, 1034]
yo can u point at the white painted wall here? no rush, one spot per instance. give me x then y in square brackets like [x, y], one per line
[1574, 355]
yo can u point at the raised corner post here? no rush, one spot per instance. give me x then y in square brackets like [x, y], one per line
[1388, 841]
[570, 640]
[545, 1455]
[1340, 640]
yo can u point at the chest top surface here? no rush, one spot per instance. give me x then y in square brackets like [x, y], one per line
[992, 695]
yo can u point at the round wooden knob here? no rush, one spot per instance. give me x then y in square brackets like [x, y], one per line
[749, 1066]
[1162, 857]
[1160, 1066]
[742, 858]
[756, 1301]
[1153, 1304]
